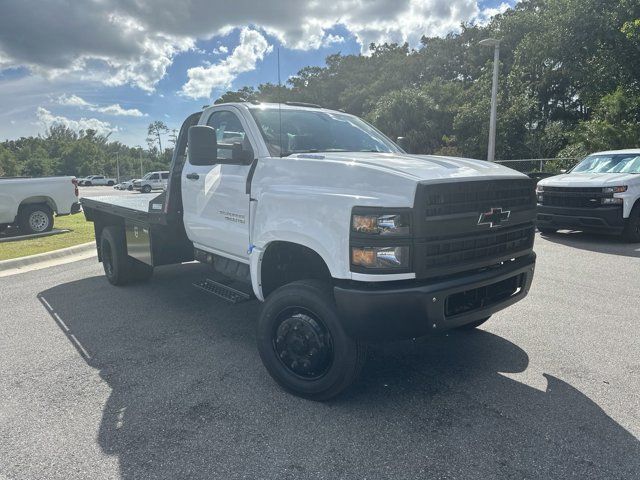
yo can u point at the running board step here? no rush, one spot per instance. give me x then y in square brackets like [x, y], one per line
[223, 291]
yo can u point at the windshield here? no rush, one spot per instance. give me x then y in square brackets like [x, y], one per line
[310, 131]
[614, 163]
[146, 177]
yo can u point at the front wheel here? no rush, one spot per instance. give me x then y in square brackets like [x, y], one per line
[146, 189]
[631, 231]
[302, 343]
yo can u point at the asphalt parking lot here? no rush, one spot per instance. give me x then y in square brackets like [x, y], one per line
[162, 381]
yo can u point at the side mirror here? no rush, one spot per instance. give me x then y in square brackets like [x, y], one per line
[403, 143]
[202, 145]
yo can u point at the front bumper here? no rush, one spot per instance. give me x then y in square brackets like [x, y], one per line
[379, 312]
[600, 219]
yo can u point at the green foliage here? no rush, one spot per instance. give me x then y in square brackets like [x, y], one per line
[62, 151]
[565, 68]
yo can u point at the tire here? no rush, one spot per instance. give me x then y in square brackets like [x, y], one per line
[472, 325]
[120, 268]
[87, 184]
[36, 218]
[297, 321]
[130, 187]
[146, 189]
[110, 184]
[631, 231]
[547, 230]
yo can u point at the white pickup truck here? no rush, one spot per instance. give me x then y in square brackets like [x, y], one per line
[96, 180]
[30, 203]
[344, 237]
[600, 194]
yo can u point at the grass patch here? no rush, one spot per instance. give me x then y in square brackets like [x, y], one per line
[81, 232]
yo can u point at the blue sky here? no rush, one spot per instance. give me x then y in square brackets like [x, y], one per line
[118, 67]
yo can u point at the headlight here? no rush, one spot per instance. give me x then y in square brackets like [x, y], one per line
[380, 257]
[539, 189]
[620, 189]
[612, 201]
[382, 224]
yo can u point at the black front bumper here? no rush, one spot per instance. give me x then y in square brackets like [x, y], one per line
[600, 219]
[379, 312]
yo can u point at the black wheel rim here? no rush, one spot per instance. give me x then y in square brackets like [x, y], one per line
[302, 343]
[107, 259]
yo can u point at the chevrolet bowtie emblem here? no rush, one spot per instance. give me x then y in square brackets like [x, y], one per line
[494, 217]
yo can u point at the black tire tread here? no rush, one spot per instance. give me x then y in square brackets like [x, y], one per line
[324, 294]
[630, 234]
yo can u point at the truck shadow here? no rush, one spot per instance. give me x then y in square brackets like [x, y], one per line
[190, 399]
[612, 245]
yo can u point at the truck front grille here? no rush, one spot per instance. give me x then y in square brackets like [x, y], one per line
[452, 237]
[573, 197]
[454, 198]
[479, 246]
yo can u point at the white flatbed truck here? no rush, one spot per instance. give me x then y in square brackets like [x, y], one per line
[344, 237]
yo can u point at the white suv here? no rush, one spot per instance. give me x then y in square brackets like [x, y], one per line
[152, 181]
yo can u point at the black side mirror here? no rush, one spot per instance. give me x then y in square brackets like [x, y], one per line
[403, 143]
[202, 145]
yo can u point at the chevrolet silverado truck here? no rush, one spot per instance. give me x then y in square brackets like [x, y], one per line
[30, 203]
[345, 238]
[601, 194]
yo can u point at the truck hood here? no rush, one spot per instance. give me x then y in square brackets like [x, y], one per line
[431, 168]
[589, 180]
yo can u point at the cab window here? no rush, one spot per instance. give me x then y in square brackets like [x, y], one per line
[229, 130]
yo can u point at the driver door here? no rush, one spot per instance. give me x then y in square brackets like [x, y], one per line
[216, 205]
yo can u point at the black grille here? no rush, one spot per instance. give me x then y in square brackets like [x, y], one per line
[455, 198]
[451, 236]
[578, 197]
[474, 247]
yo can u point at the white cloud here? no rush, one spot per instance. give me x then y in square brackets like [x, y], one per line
[204, 79]
[115, 109]
[484, 17]
[73, 100]
[120, 42]
[48, 119]
[221, 50]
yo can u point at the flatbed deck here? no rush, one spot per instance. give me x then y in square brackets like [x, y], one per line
[134, 207]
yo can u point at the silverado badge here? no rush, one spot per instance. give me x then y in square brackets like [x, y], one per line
[494, 217]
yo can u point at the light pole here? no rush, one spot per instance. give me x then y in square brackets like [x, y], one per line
[492, 42]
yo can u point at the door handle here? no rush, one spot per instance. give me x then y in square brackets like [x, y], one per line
[193, 176]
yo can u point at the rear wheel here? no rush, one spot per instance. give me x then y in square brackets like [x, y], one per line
[302, 343]
[36, 218]
[110, 183]
[631, 231]
[120, 268]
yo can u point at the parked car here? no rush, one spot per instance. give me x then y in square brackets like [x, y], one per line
[600, 194]
[344, 236]
[96, 180]
[128, 185]
[152, 181]
[30, 203]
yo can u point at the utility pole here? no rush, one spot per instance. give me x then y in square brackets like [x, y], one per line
[492, 42]
[141, 173]
[117, 167]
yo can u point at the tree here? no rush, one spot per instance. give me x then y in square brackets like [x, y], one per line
[155, 131]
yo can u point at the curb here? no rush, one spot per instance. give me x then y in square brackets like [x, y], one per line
[17, 238]
[14, 263]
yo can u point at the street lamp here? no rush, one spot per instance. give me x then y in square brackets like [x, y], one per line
[492, 42]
